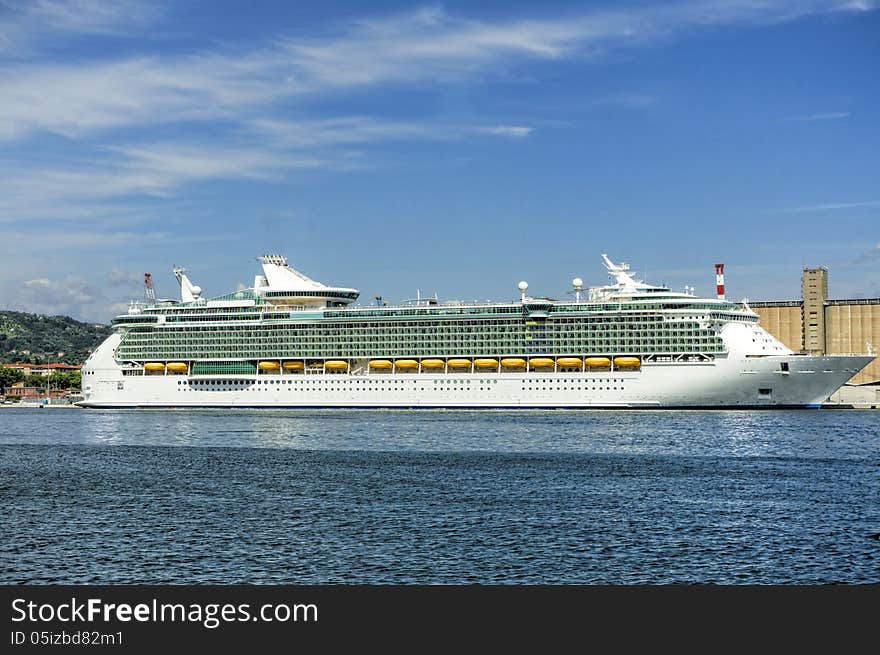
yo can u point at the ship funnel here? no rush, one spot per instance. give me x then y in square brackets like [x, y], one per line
[719, 280]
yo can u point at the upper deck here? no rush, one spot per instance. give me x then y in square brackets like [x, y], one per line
[627, 317]
[294, 297]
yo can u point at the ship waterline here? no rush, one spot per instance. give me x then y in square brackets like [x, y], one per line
[292, 342]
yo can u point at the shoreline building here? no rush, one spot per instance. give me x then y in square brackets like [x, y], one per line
[43, 369]
[818, 325]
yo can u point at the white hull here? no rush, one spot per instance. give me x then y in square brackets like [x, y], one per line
[732, 381]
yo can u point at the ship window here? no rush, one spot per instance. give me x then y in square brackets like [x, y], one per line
[784, 366]
[765, 392]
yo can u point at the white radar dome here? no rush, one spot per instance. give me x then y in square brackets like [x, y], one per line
[197, 290]
[577, 283]
[523, 286]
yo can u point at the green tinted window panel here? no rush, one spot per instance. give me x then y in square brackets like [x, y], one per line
[218, 368]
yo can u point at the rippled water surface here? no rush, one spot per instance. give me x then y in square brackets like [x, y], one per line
[439, 496]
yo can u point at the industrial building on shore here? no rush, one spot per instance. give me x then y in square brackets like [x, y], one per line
[818, 325]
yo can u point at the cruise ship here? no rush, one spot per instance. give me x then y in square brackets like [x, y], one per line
[290, 341]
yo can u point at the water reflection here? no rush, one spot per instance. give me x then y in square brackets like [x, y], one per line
[702, 433]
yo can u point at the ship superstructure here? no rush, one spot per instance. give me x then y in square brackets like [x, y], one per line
[290, 341]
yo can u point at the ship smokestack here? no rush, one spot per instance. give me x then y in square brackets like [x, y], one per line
[719, 280]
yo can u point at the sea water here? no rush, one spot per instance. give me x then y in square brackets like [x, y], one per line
[427, 497]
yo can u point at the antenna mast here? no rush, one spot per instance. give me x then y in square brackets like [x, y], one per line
[148, 283]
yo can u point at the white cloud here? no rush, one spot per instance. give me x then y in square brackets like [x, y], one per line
[829, 207]
[515, 131]
[431, 44]
[118, 277]
[165, 165]
[81, 97]
[70, 295]
[23, 22]
[90, 188]
[831, 116]
[93, 187]
[355, 130]
[872, 255]
[77, 99]
[340, 131]
[424, 44]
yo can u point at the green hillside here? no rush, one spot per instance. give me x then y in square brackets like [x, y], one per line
[38, 339]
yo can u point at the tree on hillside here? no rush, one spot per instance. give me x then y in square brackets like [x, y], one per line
[32, 338]
[10, 376]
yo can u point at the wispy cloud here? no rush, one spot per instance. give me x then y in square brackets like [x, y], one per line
[357, 130]
[831, 206]
[515, 131]
[119, 277]
[342, 131]
[76, 100]
[89, 187]
[872, 255]
[72, 294]
[23, 22]
[421, 46]
[809, 118]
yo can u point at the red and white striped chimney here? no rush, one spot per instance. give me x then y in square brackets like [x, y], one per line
[719, 280]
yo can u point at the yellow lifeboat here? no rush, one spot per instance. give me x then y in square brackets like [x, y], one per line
[154, 366]
[293, 366]
[486, 362]
[407, 364]
[433, 363]
[598, 362]
[541, 362]
[622, 362]
[268, 366]
[336, 365]
[381, 364]
[177, 367]
[570, 362]
[459, 363]
[513, 362]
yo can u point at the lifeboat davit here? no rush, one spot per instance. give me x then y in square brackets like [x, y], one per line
[154, 366]
[541, 362]
[598, 362]
[570, 362]
[408, 364]
[293, 366]
[459, 363]
[316, 364]
[336, 365]
[381, 364]
[268, 366]
[513, 362]
[622, 362]
[433, 363]
[486, 362]
[178, 367]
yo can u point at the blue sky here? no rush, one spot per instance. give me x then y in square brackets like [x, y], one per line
[454, 148]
